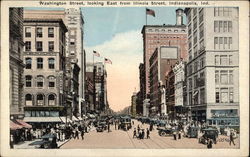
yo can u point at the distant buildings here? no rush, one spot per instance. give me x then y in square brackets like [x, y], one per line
[133, 104]
[16, 62]
[44, 74]
[213, 65]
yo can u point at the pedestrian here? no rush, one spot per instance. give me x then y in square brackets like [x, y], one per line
[174, 134]
[143, 133]
[138, 129]
[132, 122]
[148, 132]
[179, 134]
[82, 134]
[209, 143]
[74, 134]
[115, 125]
[134, 135]
[151, 126]
[108, 127]
[77, 134]
[231, 138]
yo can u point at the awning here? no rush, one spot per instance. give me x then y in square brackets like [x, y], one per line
[63, 119]
[42, 119]
[14, 126]
[25, 125]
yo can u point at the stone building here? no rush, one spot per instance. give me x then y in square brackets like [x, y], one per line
[133, 104]
[213, 65]
[44, 74]
[16, 62]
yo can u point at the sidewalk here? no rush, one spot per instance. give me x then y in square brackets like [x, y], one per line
[25, 144]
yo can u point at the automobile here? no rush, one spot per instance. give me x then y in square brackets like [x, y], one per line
[125, 123]
[165, 131]
[101, 126]
[161, 123]
[209, 133]
[48, 142]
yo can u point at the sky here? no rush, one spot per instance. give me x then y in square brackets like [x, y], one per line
[116, 34]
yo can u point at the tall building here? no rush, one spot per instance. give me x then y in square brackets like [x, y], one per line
[16, 62]
[213, 65]
[44, 74]
[133, 104]
[74, 22]
[155, 36]
[90, 95]
[170, 94]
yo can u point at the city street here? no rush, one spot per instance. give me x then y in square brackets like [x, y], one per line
[124, 139]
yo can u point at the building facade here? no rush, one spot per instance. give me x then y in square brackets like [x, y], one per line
[16, 62]
[170, 94]
[213, 65]
[133, 104]
[44, 74]
[155, 36]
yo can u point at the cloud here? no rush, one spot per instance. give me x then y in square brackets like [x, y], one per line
[126, 52]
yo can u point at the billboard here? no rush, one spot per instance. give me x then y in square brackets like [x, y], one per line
[169, 52]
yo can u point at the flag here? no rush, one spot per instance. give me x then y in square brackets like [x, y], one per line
[108, 61]
[96, 53]
[150, 12]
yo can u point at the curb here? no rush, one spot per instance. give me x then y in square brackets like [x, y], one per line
[64, 143]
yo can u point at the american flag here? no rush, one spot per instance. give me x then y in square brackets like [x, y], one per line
[96, 53]
[108, 61]
[150, 12]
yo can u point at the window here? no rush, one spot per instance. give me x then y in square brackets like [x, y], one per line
[28, 81]
[230, 43]
[231, 95]
[51, 45]
[39, 63]
[201, 31]
[202, 62]
[40, 100]
[39, 32]
[39, 46]
[28, 100]
[216, 45]
[195, 37]
[201, 16]
[195, 23]
[231, 80]
[225, 43]
[224, 95]
[220, 26]
[27, 45]
[223, 77]
[72, 52]
[28, 63]
[216, 26]
[51, 62]
[217, 60]
[195, 81]
[223, 60]
[220, 42]
[217, 95]
[190, 83]
[51, 81]
[195, 66]
[51, 99]
[202, 96]
[225, 27]
[72, 41]
[220, 11]
[216, 11]
[190, 97]
[27, 32]
[195, 50]
[230, 26]
[217, 77]
[40, 81]
[230, 59]
[51, 32]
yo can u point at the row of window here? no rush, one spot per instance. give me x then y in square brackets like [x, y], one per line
[39, 46]
[39, 63]
[221, 43]
[39, 32]
[40, 99]
[197, 97]
[199, 64]
[41, 114]
[223, 26]
[167, 30]
[222, 11]
[224, 95]
[223, 60]
[40, 81]
[196, 81]
[224, 77]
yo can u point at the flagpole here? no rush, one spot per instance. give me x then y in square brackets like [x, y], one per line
[93, 61]
[146, 15]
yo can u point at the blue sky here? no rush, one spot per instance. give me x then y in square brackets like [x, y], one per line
[101, 24]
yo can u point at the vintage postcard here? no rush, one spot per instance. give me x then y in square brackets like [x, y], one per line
[124, 78]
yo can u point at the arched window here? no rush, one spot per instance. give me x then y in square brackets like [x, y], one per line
[40, 80]
[28, 63]
[40, 99]
[51, 81]
[51, 62]
[52, 99]
[28, 81]
[28, 100]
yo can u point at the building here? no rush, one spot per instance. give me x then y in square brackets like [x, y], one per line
[170, 94]
[179, 83]
[133, 104]
[213, 65]
[90, 95]
[74, 22]
[16, 62]
[155, 36]
[142, 92]
[160, 62]
[44, 74]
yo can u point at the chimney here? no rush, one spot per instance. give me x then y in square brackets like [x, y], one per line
[179, 16]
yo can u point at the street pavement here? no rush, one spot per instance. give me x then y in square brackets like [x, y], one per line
[117, 139]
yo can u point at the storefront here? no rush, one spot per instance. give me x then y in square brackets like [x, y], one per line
[199, 115]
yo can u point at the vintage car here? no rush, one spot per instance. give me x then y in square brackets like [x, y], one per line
[48, 142]
[125, 123]
[101, 126]
[192, 132]
[165, 131]
[209, 133]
